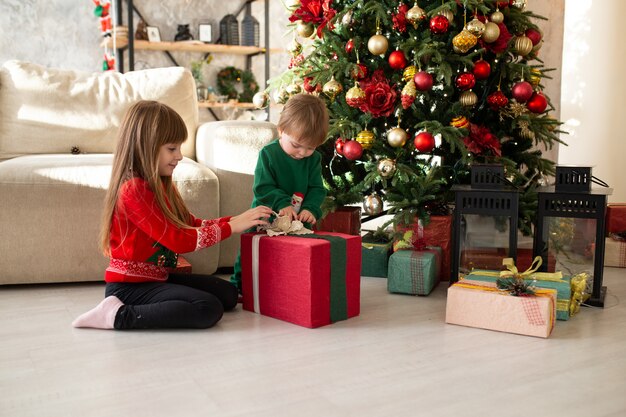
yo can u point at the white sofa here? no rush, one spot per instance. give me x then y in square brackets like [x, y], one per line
[51, 199]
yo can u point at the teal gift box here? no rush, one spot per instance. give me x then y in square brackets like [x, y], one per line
[414, 272]
[374, 257]
[562, 285]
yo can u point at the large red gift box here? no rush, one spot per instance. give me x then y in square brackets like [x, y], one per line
[343, 220]
[616, 218]
[290, 278]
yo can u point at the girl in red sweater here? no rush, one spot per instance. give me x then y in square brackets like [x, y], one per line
[146, 224]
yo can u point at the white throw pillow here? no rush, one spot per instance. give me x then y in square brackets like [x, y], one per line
[46, 110]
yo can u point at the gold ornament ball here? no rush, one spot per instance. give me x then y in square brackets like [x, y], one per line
[535, 77]
[464, 41]
[332, 88]
[305, 29]
[447, 13]
[468, 98]
[491, 33]
[409, 73]
[293, 89]
[476, 27]
[294, 48]
[281, 96]
[497, 17]
[355, 96]
[261, 100]
[366, 138]
[410, 89]
[460, 122]
[396, 137]
[386, 167]
[372, 205]
[378, 44]
[415, 14]
[523, 45]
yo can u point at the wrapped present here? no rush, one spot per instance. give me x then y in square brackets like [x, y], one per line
[374, 257]
[414, 272]
[182, 266]
[436, 233]
[554, 280]
[491, 258]
[616, 218]
[345, 220]
[615, 253]
[482, 305]
[310, 280]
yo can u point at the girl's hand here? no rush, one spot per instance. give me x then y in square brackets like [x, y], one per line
[250, 218]
[306, 216]
[288, 211]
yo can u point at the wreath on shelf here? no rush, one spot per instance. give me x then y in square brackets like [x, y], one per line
[229, 77]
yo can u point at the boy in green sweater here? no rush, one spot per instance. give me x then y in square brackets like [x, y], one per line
[288, 174]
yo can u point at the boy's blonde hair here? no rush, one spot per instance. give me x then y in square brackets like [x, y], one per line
[305, 118]
[147, 125]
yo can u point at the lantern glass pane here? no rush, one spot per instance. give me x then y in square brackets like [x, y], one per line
[484, 242]
[572, 241]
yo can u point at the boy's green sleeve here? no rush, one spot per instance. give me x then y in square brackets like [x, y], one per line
[266, 190]
[316, 193]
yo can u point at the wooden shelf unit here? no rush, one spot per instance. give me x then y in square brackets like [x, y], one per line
[188, 46]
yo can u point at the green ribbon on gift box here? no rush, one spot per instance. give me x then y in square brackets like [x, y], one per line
[338, 293]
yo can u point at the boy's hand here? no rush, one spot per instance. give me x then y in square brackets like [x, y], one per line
[288, 211]
[306, 216]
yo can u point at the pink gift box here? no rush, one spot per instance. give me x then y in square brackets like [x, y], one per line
[483, 306]
[615, 253]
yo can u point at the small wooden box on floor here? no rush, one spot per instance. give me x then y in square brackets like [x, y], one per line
[484, 306]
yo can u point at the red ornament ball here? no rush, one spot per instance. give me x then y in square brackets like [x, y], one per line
[537, 103]
[424, 142]
[465, 81]
[423, 81]
[352, 150]
[534, 35]
[482, 69]
[349, 46]
[309, 88]
[439, 24]
[360, 72]
[339, 145]
[497, 100]
[397, 60]
[522, 91]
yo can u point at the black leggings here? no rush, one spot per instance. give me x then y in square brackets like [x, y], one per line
[183, 301]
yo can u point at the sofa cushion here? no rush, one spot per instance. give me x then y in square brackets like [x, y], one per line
[50, 215]
[231, 148]
[45, 110]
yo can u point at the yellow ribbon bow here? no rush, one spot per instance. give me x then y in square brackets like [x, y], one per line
[531, 272]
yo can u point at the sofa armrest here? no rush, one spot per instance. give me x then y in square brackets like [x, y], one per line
[230, 149]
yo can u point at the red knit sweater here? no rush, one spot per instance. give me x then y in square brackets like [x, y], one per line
[144, 244]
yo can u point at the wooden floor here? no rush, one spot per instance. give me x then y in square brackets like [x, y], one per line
[398, 358]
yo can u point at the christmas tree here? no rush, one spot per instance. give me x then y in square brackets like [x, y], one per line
[417, 92]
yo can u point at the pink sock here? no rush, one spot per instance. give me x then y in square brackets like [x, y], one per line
[101, 316]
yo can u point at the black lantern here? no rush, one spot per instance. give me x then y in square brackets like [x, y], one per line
[570, 225]
[250, 31]
[229, 30]
[485, 221]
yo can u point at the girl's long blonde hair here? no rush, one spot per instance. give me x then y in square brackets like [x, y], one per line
[146, 126]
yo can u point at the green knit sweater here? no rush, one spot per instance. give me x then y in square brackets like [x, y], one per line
[278, 176]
